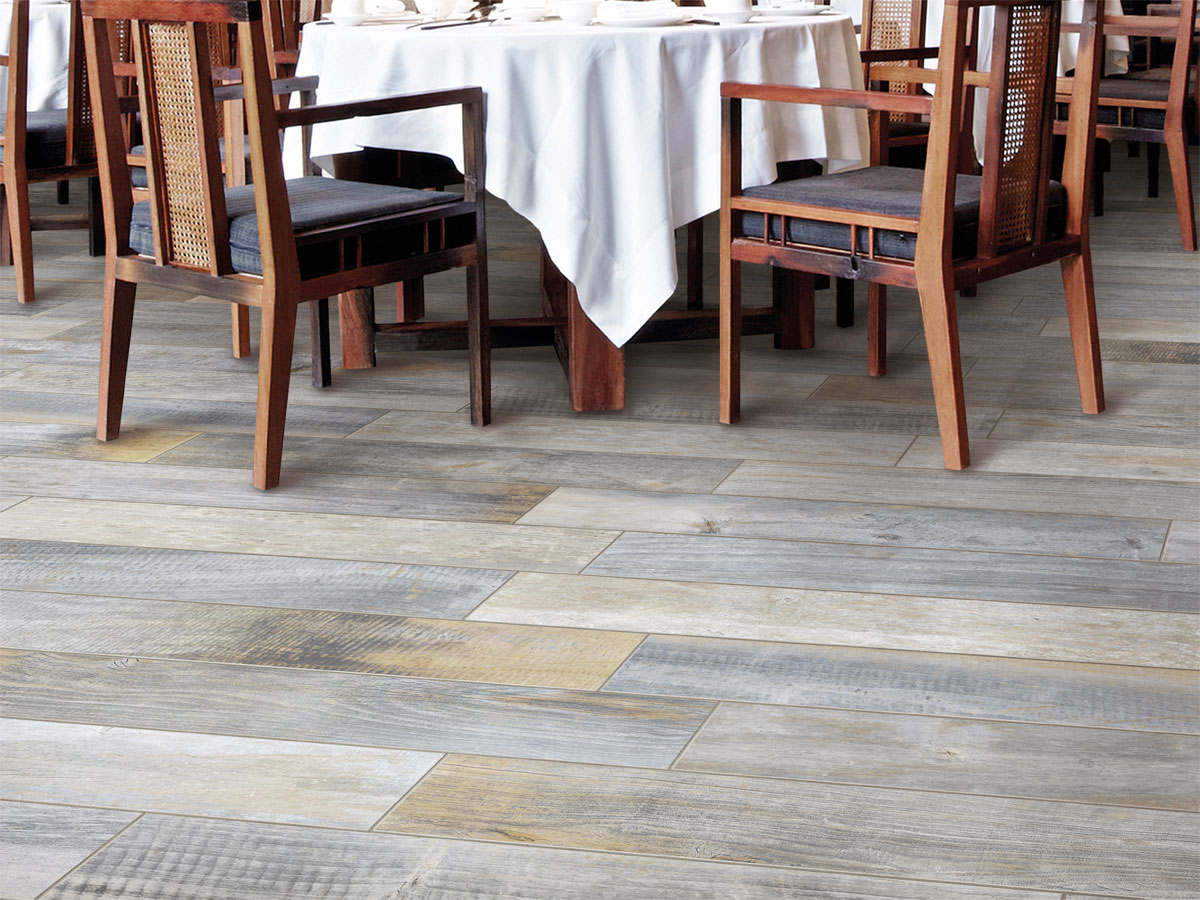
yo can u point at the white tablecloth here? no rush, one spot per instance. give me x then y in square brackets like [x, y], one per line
[606, 139]
[49, 46]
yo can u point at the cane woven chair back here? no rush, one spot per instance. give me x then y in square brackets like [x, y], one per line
[894, 25]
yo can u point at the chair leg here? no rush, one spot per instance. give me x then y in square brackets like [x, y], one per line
[410, 300]
[1134, 149]
[114, 354]
[1085, 336]
[1152, 157]
[1181, 179]
[793, 295]
[6, 251]
[845, 303]
[941, 341]
[274, 374]
[876, 329]
[730, 337]
[479, 341]
[241, 330]
[62, 192]
[356, 324]
[695, 264]
[95, 216]
[21, 237]
[318, 321]
[1101, 164]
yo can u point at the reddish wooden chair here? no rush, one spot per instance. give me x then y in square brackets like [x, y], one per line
[276, 243]
[936, 231]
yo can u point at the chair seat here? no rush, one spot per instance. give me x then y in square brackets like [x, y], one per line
[315, 203]
[1133, 89]
[137, 174]
[45, 138]
[887, 190]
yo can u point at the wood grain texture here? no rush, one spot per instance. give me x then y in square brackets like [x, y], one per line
[1183, 545]
[1132, 329]
[39, 844]
[340, 708]
[866, 830]
[246, 579]
[79, 442]
[1077, 428]
[38, 328]
[479, 501]
[369, 538]
[427, 459]
[852, 523]
[969, 489]
[887, 570]
[844, 618]
[7, 500]
[214, 860]
[199, 774]
[1058, 349]
[937, 684]
[336, 641]
[1084, 765]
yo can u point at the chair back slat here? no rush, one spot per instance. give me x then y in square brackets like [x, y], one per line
[81, 136]
[1016, 164]
[894, 25]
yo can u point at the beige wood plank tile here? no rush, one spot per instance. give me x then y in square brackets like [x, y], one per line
[854, 523]
[207, 775]
[971, 488]
[866, 830]
[618, 435]
[79, 442]
[1065, 427]
[848, 619]
[1051, 458]
[1131, 329]
[37, 327]
[222, 860]
[367, 538]
[7, 500]
[309, 639]
[39, 844]
[1017, 347]
[1082, 765]
[1183, 546]
[348, 708]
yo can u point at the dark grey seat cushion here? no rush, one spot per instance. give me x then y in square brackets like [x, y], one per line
[880, 189]
[315, 203]
[907, 129]
[1133, 89]
[137, 174]
[45, 138]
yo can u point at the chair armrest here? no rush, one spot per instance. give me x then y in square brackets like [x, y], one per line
[226, 92]
[1134, 26]
[335, 112]
[910, 53]
[786, 93]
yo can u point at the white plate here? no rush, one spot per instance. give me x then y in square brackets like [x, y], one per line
[349, 20]
[657, 21]
[790, 10]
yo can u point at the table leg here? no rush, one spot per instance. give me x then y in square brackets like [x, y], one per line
[356, 323]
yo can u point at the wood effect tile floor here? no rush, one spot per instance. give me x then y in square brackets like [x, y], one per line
[628, 656]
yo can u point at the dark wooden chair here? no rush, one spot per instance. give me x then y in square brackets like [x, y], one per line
[273, 244]
[936, 231]
[40, 146]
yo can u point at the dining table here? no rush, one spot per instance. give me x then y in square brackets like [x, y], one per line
[607, 138]
[49, 49]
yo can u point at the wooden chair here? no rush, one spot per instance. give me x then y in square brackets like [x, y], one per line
[937, 231]
[276, 243]
[39, 146]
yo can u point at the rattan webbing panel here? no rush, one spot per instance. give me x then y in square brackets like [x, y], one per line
[1032, 38]
[83, 134]
[179, 137]
[892, 29]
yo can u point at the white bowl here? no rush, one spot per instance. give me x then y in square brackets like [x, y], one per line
[439, 9]
[527, 13]
[350, 20]
[730, 16]
[577, 12]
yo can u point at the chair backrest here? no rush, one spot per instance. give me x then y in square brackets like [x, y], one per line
[1021, 82]
[285, 20]
[81, 144]
[174, 58]
[893, 24]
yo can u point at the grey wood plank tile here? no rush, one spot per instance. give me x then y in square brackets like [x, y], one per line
[965, 575]
[938, 684]
[1070, 427]
[1049, 762]
[341, 708]
[480, 501]
[1126, 301]
[180, 415]
[854, 523]
[1052, 458]
[1183, 546]
[202, 361]
[207, 775]
[247, 579]
[332, 536]
[7, 500]
[848, 619]
[39, 844]
[866, 830]
[1132, 329]
[1041, 347]
[136, 444]
[214, 860]
[38, 327]
[309, 639]
[468, 461]
[971, 489]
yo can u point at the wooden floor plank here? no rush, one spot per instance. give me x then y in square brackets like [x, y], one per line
[1083, 765]
[1132, 329]
[39, 328]
[79, 442]
[478, 501]
[848, 619]
[1023, 347]
[865, 830]
[7, 500]
[368, 538]
[964, 575]
[39, 844]
[340, 708]
[248, 579]
[1183, 546]
[936, 684]
[851, 523]
[207, 775]
[309, 639]
[1078, 428]
[214, 860]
